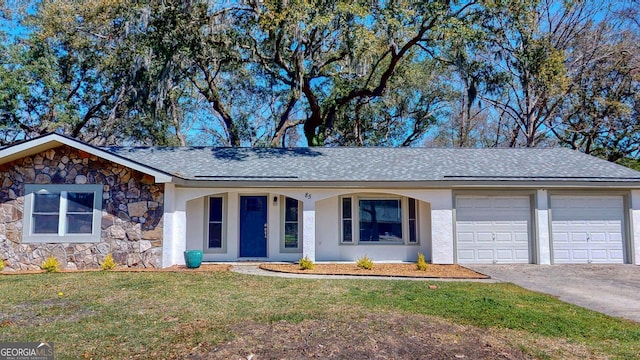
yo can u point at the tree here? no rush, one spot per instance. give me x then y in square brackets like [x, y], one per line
[338, 57]
[338, 72]
[601, 115]
[416, 98]
[528, 47]
[76, 82]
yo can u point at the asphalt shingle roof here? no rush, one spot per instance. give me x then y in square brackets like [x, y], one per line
[375, 164]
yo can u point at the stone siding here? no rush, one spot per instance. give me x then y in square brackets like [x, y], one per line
[132, 209]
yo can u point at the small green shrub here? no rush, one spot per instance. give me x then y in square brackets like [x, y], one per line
[108, 263]
[365, 263]
[421, 264]
[1, 264]
[306, 264]
[50, 265]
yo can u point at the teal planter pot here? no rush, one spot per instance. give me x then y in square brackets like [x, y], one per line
[193, 258]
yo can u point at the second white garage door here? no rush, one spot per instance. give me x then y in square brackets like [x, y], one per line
[587, 229]
[493, 229]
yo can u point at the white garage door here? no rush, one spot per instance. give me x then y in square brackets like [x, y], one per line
[492, 229]
[587, 229]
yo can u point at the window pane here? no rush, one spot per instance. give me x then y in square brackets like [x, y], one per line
[347, 235]
[291, 210]
[80, 202]
[215, 209]
[346, 208]
[46, 203]
[215, 235]
[412, 208]
[291, 235]
[380, 220]
[412, 231]
[45, 224]
[79, 223]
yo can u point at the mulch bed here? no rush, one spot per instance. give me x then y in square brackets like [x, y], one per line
[389, 270]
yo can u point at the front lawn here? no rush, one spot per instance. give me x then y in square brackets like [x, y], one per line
[221, 314]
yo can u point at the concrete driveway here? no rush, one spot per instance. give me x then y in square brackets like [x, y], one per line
[610, 289]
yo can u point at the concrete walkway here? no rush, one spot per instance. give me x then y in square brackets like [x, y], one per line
[610, 289]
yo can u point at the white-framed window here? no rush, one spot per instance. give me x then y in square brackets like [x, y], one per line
[378, 219]
[291, 239]
[215, 224]
[347, 220]
[62, 213]
[413, 220]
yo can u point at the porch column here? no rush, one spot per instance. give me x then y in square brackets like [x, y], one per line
[309, 229]
[174, 233]
[635, 228]
[542, 221]
[442, 245]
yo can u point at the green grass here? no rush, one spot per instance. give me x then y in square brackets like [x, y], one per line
[509, 306]
[118, 315]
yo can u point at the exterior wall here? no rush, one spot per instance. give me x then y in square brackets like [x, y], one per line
[132, 212]
[635, 227]
[320, 221]
[436, 225]
[195, 228]
[543, 227]
[426, 230]
[443, 230]
[329, 248]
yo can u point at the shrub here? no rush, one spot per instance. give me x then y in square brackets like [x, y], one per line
[1, 264]
[365, 263]
[108, 263]
[421, 264]
[50, 265]
[306, 264]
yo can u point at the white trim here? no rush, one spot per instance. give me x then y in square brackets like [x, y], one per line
[283, 225]
[223, 240]
[355, 219]
[416, 219]
[634, 216]
[47, 142]
[174, 228]
[342, 219]
[62, 224]
[309, 228]
[62, 236]
[543, 227]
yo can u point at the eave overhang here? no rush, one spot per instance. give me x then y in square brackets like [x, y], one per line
[428, 184]
[51, 141]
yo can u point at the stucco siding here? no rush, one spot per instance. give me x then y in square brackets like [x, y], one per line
[635, 226]
[196, 227]
[329, 247]
[322, 205]
[195, 224]
[543, 228]
[442, 227]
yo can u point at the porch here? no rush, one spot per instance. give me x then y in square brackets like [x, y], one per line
[273, 224]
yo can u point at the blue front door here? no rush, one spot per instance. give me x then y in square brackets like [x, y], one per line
[253, 226]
